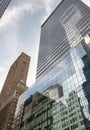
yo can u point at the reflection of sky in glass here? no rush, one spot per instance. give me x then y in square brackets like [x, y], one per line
[60, 37]
[69, 74]
[69, 20]
[87, 38]
[64, 68]
[83, 103]
[64, 73]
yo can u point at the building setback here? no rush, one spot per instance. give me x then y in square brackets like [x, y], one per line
[36, 111]
[64, 59]
[14, 86]
[17, 72]
[3, 6]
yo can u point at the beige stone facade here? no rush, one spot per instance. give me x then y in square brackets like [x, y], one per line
[14, 86]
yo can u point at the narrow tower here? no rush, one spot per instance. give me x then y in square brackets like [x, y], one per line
[17, 72]
[14, 86]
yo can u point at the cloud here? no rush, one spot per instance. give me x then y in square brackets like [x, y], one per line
[9, 45]
[49, 6]
[87, 2]
[33, 63]
[14, 13]
[2, 75]
[9, 29]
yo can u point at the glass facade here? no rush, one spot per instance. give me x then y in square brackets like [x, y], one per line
[68, 115]
[64, 59]
[37, 113]
[61, 31]
[3, 6]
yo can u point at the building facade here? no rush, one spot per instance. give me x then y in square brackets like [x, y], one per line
[37, 113]
[17, 72]
[63, 30]
[3, 6]
[14, 86]
[9, 106]
[69, 115]
[54, 92]
[64, 59]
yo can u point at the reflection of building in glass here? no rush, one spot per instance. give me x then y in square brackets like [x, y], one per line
[86, 70]
[64, 58]
[3, 6]
[68, 116]
[37, 113]
[54, 92]
[37, 103]
[62, 30]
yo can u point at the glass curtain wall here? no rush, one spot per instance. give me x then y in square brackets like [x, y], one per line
[64, 59]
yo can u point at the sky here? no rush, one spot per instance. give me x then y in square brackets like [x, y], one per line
[20, 32]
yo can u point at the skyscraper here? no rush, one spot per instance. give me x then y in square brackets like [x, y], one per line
[64, 28]
[8, 106]
[14, 86]
[17, 72]
[64, 59]
[3, 6]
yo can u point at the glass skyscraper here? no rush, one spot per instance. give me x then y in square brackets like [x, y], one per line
[64, 59]
[3, 6]
[63, 30]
